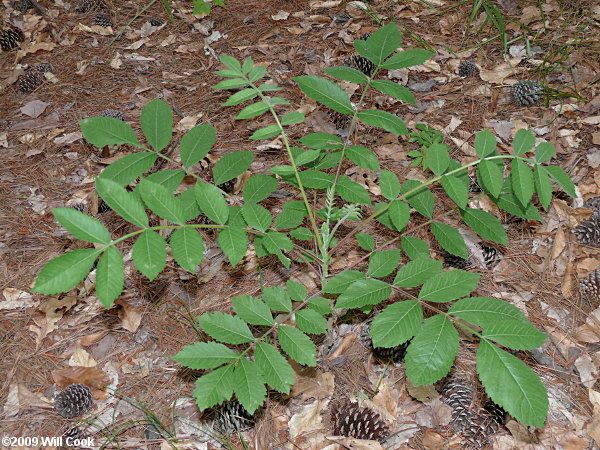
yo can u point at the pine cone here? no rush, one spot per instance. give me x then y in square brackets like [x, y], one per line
[340, 121]
[495, 411]
[73, 401]
[467, 69]
[361, 63]
[22, 5]
[364, 36]
[590, 287]
[490, 256]
[29, 81]
[454, 261]
[593, 204]
[351, 420]
[156, 22]
[103, 206]
[459, 396]
[474, 186]
[113, 114]
[480, 430]
[396, 353]
[232, 417]
[85, 6]
[526, 93]
[588, 231]
[44, 67]
[102, 20]
[10, 38]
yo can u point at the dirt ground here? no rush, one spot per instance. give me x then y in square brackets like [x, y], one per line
[45, 163]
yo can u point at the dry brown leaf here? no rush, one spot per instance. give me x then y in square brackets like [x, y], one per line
[130, 316]
[81, 358]
[560, 243]
[16, 299]
[92, 377]
[423, 394]
[355, 444]
[521, 433]
[433, 440]
[20, 398]
[48, 46]
[306, 420]
[498, 74]
[570, 441]
[91, 339]
[587, 265]
[320, 385]
[387, 401]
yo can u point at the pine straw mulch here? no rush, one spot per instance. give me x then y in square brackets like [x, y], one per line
[135, 340]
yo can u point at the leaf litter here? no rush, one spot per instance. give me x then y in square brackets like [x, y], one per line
[548, 260]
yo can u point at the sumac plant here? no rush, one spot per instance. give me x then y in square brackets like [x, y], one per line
[248, 346]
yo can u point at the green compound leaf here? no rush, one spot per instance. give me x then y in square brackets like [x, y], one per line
[362, 157]
[522, 181]
[258, 187]
[436, 157]
[316, 179]
[341, 281]
[307, 157]
[191, 210]
[110, 276]
[277, 298]
[382, 263]
[234, 243]
[394, 90]
[450, 239]
[298, 345]
[274, 241]
[157, 124]
[387, 121]
[161, 201]
[292, 214]
[196, 143]
[253, 110]
[122, 202]
[515, 334]
[544, 152]
[62, 274]
[187, 247]
[232, 63]
[214, 387]
[231, 165]
[351, 191]
[362, 293]
[456, 189]
[490, 176]
[234, 83]
[171, 179]
[256, 216]
[204, 355]
[82, 226]
[523, 141]
[422, 200]
[257, 72]
[485, 311]
[415, 248]
[450, 285]
[435, 347]
[366, 241]
[346, 74]
[275, 369]
[383, 42]
[512, 385]
[320, 305]
[485, 225]
[389, 184]
[302, 234]
[543, 186]
[325, 92]
[417, 272]
[310, 321]
[397, 323]
[292, 118]
[296, 291]
[126, 169]
[509, 203]
[563, 180]
[252, 310]
[322, 141]
[485, 143]
[248, 385]
[240, 97]
[211, 202]
[101, 131]
[150, 254]
[407, 58]
[225, 328]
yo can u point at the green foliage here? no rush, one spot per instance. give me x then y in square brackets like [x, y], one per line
[263, 344]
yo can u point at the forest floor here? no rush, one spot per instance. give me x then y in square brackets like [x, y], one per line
[48, 342]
